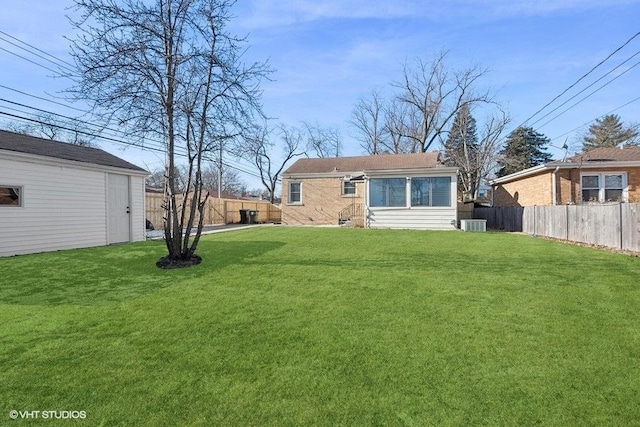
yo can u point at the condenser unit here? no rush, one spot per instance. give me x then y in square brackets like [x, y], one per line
[473, 224]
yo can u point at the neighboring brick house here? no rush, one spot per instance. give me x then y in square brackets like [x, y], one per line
[596, 176]
[385, 191]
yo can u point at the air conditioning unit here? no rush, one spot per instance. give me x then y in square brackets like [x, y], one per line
[473, 225]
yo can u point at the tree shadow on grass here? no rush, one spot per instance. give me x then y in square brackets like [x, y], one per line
[112, 274]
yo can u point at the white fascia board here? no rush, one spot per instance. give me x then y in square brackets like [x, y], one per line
[412, 172]
[46, 160]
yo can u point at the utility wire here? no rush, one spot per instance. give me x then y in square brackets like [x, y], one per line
[584, 76]
[38, 52]
[591, 121]
[589, 95]
[589, 86]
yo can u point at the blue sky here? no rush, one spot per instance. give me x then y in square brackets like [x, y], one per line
[329, 53]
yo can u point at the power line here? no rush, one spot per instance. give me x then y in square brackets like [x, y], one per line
[583, 77]
[591, 121]
[38, 52]
[591, 85]
[44, 99]
[589, 95]
[33, 62]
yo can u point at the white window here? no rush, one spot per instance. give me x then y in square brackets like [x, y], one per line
[431, 191]
[419, 191]
[348, 188]
[388, 192]
[10, 196]
[603, 187]
[295, 193]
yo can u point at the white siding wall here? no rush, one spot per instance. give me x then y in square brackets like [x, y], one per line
[62, 208]
[413, 218]
[420, 218]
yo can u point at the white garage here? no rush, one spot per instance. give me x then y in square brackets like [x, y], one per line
[55, 196]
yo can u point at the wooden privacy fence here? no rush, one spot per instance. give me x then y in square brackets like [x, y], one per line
[611, 225]
[216, 211]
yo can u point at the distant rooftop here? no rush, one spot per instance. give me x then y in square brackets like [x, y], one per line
[60, 150]
[365, 163]
[608, 154]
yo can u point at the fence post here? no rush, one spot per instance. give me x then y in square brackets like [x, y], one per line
[621, 224]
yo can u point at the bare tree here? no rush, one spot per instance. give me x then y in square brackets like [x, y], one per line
[434, 94]
[323, 141]
[400, 121]
[368, 118]
[232, 184]
[168, 68]
[55, 127]
[259, 148]
[475, 154]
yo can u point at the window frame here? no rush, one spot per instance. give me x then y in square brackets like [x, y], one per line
[602, 186]
[343, 188]
[299, 192]
[388, 188]
[20, 195]
[410, 192]
[430, 181]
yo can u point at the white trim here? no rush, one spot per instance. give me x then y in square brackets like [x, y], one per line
[601, 184]
[289, 202]
[20, 204]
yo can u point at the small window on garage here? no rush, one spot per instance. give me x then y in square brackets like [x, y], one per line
[10, 196]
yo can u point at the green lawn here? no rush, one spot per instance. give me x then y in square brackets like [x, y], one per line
[305, 326]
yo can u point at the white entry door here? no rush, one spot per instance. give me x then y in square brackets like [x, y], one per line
[118, 209]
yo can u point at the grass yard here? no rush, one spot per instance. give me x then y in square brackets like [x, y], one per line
[302, 326]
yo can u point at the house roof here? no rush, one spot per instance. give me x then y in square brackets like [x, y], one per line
[592, 159]
[328, 165]
[608, 155]
[27, 144]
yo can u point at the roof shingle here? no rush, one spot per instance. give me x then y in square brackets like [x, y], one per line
[365, 163]
[44, 147]
[608, 154]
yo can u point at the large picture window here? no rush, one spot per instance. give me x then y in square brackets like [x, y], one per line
[603, 187]
[10, 196]
[431, 191]
[295, 193]
[387, 192]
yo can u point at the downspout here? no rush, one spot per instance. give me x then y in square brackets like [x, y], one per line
[554, 184]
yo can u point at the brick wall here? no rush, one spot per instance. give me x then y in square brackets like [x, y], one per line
[528, 191]
[537, 189]
[322, 201]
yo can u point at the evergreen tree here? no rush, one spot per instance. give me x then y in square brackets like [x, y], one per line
[524, 148]
[608, 131]
[461, 151]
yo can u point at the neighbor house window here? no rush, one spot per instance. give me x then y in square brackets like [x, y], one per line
[348, 188]
[387, 192]
[431, 191]
[295, 192]
[603, 187]
[10, 196]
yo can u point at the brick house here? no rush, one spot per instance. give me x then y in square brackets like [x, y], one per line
[384, 191]
[596, 176]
